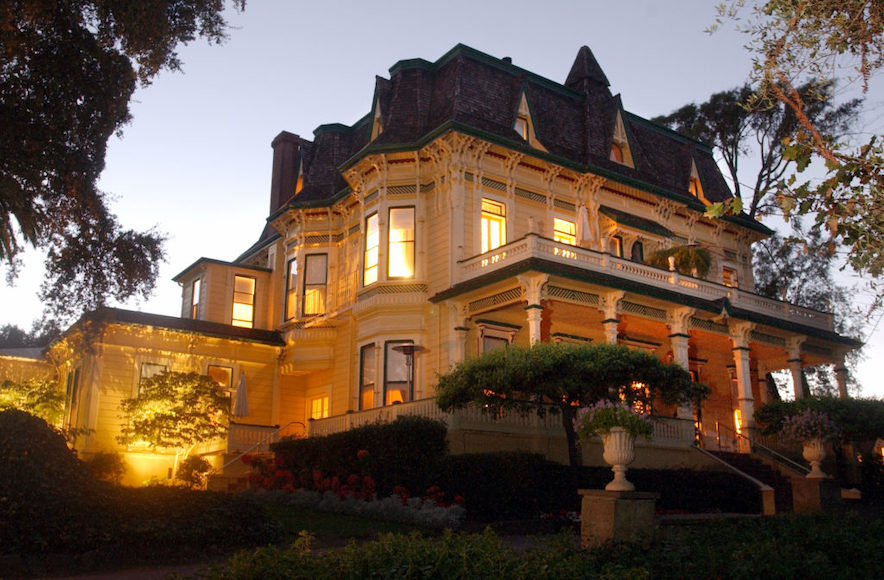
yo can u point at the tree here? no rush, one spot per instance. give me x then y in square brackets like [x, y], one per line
[67, 72]
[793, 40]
[560, 378]
[737, 123]
[175, 411]
[39, 397]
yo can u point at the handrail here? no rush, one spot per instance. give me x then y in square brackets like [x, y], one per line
[255, 446]
[743, 474]
[775, 456]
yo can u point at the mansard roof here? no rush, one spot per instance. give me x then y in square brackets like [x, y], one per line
[474, 93]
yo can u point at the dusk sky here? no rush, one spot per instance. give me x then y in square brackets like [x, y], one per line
[195, 161]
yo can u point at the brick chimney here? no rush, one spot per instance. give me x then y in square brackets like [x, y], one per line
[286, 149]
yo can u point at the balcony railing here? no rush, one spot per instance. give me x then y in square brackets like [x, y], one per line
[676, 433]
[242, 437]
[534, 246]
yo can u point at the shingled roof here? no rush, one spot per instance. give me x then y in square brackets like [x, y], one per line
[474, 93]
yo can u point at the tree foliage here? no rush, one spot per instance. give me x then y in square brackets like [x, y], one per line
[688, 260]
[67, 72]
[858, 419]
[175, 411]
[738, 124]
[548, 377]
[39, 397]
[796, 40]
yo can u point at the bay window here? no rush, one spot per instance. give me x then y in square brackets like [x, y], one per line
[315, 280]
[400, 251]
[291, 288]
[397, 380]
[372, 243]
[243, 302]
[368, 372]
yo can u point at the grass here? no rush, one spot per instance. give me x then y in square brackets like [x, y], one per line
[331, 526]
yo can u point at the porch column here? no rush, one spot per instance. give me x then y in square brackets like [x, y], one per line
[794, 348]
[841, 376]
[679, 324]
[457, 346]
[609, 304]
[534, 286]
[460, 344]
[740, 333]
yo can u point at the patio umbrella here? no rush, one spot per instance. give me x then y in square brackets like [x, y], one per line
[584, 229]
[241, 402]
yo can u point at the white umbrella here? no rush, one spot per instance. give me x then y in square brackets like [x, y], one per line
[241, 402]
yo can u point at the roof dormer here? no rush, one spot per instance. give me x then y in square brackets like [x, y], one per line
[524, 124]
[377, 124]
[620, 150]
[695, 186]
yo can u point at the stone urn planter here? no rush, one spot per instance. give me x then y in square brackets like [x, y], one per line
[814, 452]
[619, 452]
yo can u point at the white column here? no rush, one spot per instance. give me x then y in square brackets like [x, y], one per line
[679, 324]
[534, 286]
[534, 312]
[610, 322]
[460, 344]
[794, 348]
[740, 333]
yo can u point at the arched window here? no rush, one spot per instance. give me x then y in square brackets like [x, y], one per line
[638, 252]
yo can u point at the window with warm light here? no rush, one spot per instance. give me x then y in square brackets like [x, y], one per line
[639, 394]
[319, 407]
[400, 251]
[372, 243]
[315, 281]
[243, 302]
[493, 225]
[695, 188]
[729, 277]
[564, 231]
[291, 288]
[368, 372]
[195, 299]
[221, 375]
[521, 127]
[396, 373]
[615, 246]
[616, 153]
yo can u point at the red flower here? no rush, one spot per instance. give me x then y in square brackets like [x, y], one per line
[362, 454]
[459, 500]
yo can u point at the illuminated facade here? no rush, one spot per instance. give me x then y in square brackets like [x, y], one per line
[478, 205]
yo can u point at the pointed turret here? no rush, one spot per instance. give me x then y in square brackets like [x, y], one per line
[585, 67]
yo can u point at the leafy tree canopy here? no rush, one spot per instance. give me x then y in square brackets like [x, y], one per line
[858, 419]
[175, 411]
[689, 260]
[561, 378]
[67, 72]
[797, 40]
[39, 397]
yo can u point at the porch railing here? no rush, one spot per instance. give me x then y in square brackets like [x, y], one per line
[242, 437]
[668, 432]
[534, 246]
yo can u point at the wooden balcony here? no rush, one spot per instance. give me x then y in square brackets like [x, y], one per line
[533, 246]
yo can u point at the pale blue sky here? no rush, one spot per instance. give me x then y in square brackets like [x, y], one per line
[195, 161]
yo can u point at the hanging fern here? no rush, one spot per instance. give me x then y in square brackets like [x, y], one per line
[690, 260]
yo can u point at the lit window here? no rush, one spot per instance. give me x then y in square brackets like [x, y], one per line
[729, 277]
[221, 375]
[243, 301]
[400, 258]
[315, 271]
[319, 407]
[299, 183]
[616, 153]
[521, 127]
[72, 394]
[396, 379]
[493, 225]
[695, 188]
[636, 395]
[195, 299]
[638, 252]
[291, 288]
[615, 246]
[564, 231]
[372, 241]
[368, 373]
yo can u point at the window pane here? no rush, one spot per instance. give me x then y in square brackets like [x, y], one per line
[243, 301]
[638, 252]
[221, 375]
[149, 370]
[244, 284]
[493, 225]
[314, 284]
[490, 343]
[368, 378]
[319, 407]
[395, 374]
[291, 288]
[372, 241]
[400, 258]
[195, 299]
[316, 268]
[564, 231]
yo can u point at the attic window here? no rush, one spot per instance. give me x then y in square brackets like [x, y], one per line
[299, 183]
[695, 188]
[377, 126]
[521, 127]
[620, 152]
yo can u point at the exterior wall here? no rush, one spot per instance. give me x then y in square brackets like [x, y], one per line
[18, 369]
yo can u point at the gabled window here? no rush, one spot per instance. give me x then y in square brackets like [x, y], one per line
[243, 302]
[524, 124]
[315, 281]
[620, 151]
[372, 243]
[564, 231]
[493, 225]
[291, 288]
[195, 299]
[695, 187]
[299, 183]
[400, 251]
[368, 373]
[377, 124]
[521, 127]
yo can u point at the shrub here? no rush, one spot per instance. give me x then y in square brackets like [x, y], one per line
[193, 470]
[409, 452]
[107, 466]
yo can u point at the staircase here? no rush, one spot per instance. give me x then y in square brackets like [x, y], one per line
[763, 473]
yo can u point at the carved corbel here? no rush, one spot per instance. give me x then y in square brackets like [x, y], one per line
[793, 347]
[690, 221]
[740, 332]
[534, 286]
[679, 319]
[610, 302]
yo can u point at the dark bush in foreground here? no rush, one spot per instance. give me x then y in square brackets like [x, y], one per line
[499, 486]
[790, 547]
[408, 452]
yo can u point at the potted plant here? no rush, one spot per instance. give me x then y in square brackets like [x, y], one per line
[618, 425]
[812, 429]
